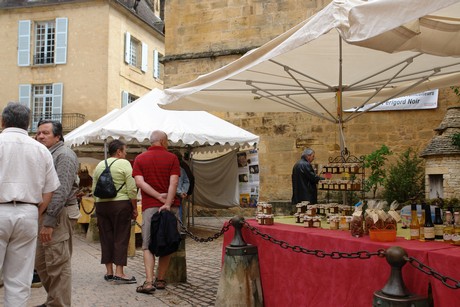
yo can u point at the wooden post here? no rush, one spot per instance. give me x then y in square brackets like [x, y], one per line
[92, 235]
[239, 283]
[177, 270]
[132, 240]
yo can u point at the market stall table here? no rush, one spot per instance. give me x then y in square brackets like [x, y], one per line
[298, 279]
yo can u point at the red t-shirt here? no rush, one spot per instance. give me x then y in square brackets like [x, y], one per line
[156, 165]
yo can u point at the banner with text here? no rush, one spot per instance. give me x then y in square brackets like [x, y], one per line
[425, 100]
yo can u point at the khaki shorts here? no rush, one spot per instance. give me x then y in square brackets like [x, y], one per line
[146, 219]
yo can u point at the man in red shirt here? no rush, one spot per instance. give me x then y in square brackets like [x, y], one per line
[156, 173]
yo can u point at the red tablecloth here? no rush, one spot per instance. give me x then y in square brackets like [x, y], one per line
[297, 279]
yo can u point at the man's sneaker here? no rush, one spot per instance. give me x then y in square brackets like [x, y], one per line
[36, 282]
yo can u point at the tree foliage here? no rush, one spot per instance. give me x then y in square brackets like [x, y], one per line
[405, 179]
[376, 162]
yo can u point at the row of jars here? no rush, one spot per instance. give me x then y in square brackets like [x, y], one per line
[342, 168]
[323, 209]
[344, 185]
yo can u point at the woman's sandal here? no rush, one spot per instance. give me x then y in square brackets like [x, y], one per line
[160, 284]
[147, 288]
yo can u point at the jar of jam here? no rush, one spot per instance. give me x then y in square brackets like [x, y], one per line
[308, 221]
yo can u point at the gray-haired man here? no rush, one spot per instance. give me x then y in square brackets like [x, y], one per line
[304, 179]
[27, 178]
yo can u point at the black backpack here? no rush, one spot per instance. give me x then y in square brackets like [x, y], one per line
[105, 188]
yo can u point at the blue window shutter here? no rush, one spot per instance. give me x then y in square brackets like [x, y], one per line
[57, 100]
[127, 47]
[25, 91]
[124, 98]
[60, 53]
[145, 56]
[24, 43]
[156, 65]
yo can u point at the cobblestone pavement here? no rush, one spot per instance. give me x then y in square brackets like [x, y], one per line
[90, 289]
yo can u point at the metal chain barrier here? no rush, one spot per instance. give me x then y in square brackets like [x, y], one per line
[224, 229]
[316, 252]
[84, 210]
[446, 280]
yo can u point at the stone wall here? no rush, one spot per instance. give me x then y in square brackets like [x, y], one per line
[449, 168]
[205, 35]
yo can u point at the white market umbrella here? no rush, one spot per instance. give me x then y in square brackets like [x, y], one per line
[349, 55]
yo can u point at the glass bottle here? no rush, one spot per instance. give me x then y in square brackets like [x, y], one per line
[451, 209]
[422, 223]
[428, 227]
[448, 228]
[438, 225]
[456, 235]
[414, 224]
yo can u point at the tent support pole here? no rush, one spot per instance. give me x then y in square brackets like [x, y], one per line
[105, 149]
[339, 100]
[340, 113]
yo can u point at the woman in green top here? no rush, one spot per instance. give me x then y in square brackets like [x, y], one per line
[114, 214]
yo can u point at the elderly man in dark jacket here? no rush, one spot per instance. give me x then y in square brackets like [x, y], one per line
[304, 179]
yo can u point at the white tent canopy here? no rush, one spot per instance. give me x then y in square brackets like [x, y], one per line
[137, 121]
[350, 54]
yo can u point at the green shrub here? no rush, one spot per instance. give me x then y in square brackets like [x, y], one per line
[376, 162]
[405, 180]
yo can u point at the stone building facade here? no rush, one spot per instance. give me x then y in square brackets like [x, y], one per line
[205, 35]
[442, 170]
[87, 69]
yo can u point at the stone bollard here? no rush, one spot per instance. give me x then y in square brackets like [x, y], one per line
[92, 235]
[177, 270]
[239, 283]
[395, 293]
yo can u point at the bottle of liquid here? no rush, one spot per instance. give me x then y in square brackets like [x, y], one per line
[438, 225]
[451, 209]
[428, 227]
[448, 227]
[456, 235]
[422, 223]
[414, 224]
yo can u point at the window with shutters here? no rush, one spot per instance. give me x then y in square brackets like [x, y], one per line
[158, 66]
[43, 42]
[127, 98]
[44, 100]
[135, 52]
